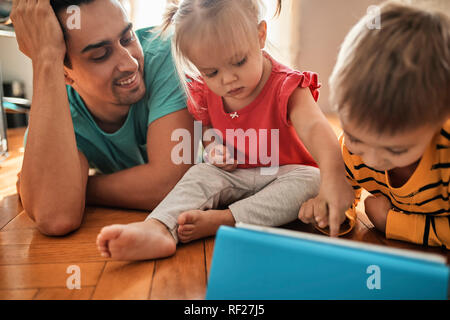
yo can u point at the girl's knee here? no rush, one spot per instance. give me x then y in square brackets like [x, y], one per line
[200, 169]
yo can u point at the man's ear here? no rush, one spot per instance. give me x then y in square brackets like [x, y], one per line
[67, 77]
[262, 33]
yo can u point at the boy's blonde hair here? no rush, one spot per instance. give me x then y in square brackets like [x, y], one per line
[224, 24]
[397, 77]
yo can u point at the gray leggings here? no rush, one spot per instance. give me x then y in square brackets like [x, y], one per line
[268, 200]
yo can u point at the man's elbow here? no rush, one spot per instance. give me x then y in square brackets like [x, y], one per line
[56, 222]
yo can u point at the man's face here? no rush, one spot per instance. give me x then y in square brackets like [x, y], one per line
[385, 151]
[106, 59]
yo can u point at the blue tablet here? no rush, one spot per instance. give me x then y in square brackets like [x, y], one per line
[260, 263]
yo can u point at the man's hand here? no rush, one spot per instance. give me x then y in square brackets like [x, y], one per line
[377, 209]
[219, 156]
[328, 208]
[37, 29]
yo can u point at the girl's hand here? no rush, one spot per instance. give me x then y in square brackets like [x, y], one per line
[328, 208]
[219, 156]
[38, 31]
[377, 209]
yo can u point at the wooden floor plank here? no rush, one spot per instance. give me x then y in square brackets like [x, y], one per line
[84, 293]
[125, 281]
[21, 221]
[49, 253]
[29, 236]
[94, 217]
[182, 276]
[8, 173]
[18, 294]
[363, 234]
[8, 178]
[11, 202]
[6, 215]
[209, 251]
[32, 276]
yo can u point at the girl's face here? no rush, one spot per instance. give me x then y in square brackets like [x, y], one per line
[234, 75]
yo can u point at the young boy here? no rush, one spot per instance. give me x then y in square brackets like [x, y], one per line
[391, 87]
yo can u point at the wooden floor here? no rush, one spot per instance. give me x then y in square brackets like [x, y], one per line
[33, 266]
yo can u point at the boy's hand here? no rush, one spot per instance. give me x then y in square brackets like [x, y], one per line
[220, 157]
[377, 209]
[37, 29]
[328, 208]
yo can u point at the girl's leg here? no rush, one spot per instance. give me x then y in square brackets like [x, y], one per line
[278, 202]
[275, 200]
[203, 187]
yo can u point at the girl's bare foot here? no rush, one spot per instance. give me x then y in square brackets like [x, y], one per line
[145, 240]
[196, 224]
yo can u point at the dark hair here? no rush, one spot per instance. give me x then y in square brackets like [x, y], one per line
[59, 5]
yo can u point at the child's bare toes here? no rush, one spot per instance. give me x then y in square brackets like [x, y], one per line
[107, 234]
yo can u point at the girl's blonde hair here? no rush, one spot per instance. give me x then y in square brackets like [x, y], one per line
[229, 24]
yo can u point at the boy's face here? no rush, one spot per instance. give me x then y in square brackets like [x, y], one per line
[385, 151]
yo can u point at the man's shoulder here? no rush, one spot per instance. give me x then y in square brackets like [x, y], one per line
[75, 102]
[152, 43]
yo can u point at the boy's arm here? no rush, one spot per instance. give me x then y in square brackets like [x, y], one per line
[416, 228]
[144, 186]
[54, 174]
[420, 229]
[319, 138]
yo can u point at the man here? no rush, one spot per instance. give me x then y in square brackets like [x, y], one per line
[117, 114]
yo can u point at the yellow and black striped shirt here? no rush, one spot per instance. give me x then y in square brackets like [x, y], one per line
[420, 208]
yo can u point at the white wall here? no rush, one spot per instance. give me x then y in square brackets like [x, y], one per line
[278, 31]
[323, 25]
[148, 13]
[15, 65]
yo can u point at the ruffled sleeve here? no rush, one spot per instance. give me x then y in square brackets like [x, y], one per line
[197, 102]
[296, 80]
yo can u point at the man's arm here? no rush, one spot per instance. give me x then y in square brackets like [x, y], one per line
[54, 173]
[143, 187]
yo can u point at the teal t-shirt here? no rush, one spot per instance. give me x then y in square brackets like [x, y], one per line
[127, 147]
